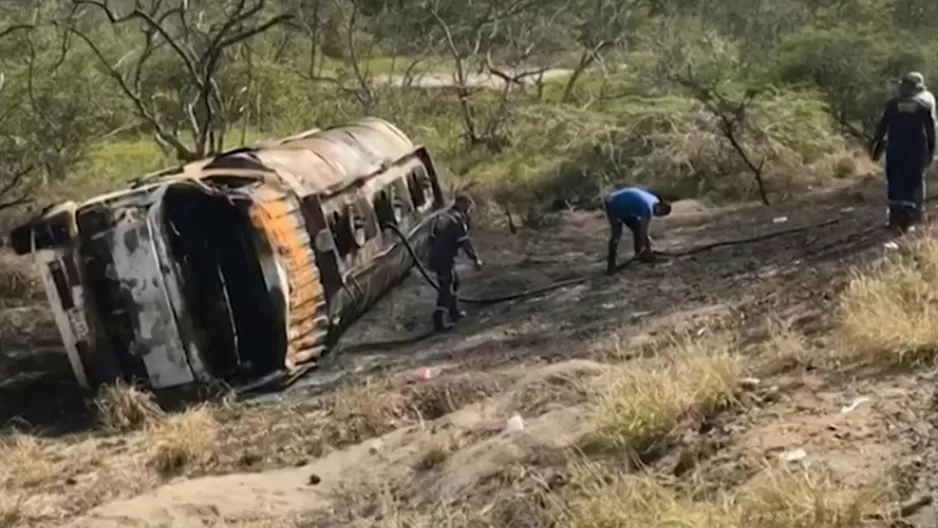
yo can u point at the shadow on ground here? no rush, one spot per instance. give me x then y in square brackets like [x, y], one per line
[38, 391]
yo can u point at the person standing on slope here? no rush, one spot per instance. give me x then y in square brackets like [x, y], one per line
[449, 234]
[906, 133]
[633, 207]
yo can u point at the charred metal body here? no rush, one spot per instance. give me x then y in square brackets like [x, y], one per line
[236, 267]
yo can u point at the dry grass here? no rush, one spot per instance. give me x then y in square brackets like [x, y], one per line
[123, 408]
[845, 166]
[777, 498]
[600, 495]
[291, 434]
[23, 314]
[25, 324]
[10, 509]
[631, 404]
[780, 498]
[44, 481]
[565, 384]
[26, 464]
[183, 442]
[889, 311]
[438, 451]
[19, 279]
[365, 411]
[782, 349]
[638, 405]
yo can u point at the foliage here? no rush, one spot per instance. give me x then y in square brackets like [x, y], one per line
[83, 95]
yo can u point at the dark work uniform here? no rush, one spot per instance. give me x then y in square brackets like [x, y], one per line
[908, 130]
[448, 235]
[633, 207]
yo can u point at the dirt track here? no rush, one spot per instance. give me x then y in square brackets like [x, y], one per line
[793, 278]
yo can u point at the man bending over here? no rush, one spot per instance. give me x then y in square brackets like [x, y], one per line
[633, 207]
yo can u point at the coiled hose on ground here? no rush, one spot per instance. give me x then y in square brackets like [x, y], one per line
[391, 344]
[282, 382]
[577, 280]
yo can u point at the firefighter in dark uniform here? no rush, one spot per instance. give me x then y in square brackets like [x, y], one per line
[448, 235]
[907, 134]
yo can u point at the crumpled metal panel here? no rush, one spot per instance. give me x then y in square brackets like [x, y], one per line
[330, 158]
[320, 159]
[71, 322]
[300, 166]
[279, 215]
[156, 335]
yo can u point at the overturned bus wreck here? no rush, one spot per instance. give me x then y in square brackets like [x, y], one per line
[236, 268]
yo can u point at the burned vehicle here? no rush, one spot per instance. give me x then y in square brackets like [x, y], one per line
[236, 268]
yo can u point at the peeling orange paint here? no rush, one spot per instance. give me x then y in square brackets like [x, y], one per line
[281, 219]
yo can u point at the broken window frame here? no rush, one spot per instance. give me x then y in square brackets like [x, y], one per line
[421, 188]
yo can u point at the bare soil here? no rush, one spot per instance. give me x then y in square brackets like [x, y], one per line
[316, 455]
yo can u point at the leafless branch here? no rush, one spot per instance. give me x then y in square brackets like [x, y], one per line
[163, 135]
[16, 203]
[732, 120]
[462, 91]
[205, 108]
[17, 179]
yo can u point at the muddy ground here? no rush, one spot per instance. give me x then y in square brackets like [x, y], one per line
[500, 350]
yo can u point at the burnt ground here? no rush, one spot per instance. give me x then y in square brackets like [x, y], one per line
[793, 278]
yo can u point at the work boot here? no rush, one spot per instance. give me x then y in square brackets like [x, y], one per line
[456, 314]
[646, 256]
[439, 325]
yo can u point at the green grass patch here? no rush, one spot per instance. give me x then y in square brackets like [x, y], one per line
[553, 153]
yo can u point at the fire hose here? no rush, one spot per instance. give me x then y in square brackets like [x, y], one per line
[391, 344]
[577, 280]
[283, 383]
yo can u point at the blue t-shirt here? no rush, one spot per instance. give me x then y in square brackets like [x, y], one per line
[631, 202]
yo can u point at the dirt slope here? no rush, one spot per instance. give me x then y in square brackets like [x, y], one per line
[535, 346]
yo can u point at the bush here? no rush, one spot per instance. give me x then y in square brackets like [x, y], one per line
[854, 68]
[670, 143]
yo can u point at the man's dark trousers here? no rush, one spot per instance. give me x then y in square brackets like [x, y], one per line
[447, 299]
[905, 192]
[639, 244]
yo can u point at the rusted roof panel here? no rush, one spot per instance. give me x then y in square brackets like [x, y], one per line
[301, 135]
[320, 159]
[306, 165]
[341, 153]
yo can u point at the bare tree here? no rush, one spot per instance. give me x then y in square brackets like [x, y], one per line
[17, 159]
[463, 53]
[601, 25]
[363, 90]
[731, 114]
[200, 47]
[359, 80]
[309, 21]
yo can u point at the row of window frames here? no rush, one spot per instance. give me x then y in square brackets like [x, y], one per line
[349, 233]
